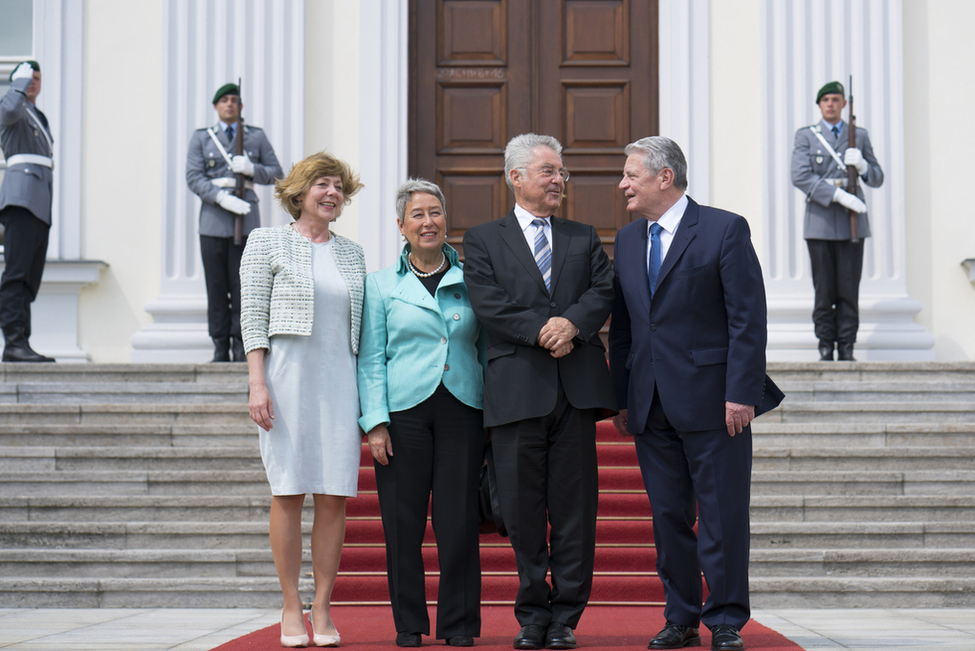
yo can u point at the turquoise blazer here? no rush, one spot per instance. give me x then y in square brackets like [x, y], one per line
[411, 342]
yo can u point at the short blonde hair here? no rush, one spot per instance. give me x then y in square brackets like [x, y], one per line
[304, 174]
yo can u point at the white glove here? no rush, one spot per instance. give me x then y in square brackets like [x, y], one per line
[854, 157]
[849, 201]
[23, 71]
[242, 165]
[232, 204]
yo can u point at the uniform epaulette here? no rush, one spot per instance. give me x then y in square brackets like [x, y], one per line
[251, 126]
[203, 128]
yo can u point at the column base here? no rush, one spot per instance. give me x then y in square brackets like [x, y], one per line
[178, 335]
[887, 331]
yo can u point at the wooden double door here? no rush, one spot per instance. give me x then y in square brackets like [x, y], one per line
[484, 71]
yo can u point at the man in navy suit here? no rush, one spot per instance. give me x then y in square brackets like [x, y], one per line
[542, 287]
[687, 355]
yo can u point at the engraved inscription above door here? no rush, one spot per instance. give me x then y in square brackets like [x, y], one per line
[484, 71]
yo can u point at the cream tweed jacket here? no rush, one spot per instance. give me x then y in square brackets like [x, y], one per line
[277, 290]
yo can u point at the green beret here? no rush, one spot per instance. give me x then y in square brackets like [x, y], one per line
[226, 89]
[33, 64]
[832, 88]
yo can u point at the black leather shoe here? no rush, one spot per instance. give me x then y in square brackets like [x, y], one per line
[826, 351]
[675, 636]
[18, 350]
[531, 636]
[725, 636]
[845, 352]
[559, 636]
[408, 639]
[221, 349]
[460, 640]
[237, 348]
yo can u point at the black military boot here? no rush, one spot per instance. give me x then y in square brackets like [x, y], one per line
[221, 349]
[825, 351]
[844, 352]
[237, 347]
[17, 349]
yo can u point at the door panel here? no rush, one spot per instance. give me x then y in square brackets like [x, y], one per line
[483, 71]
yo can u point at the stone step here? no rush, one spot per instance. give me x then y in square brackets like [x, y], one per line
[874, 563]
[941, 390]
[242, 508]
[767, 433]
[52, 435]
[865, 458]
[52, 483]
[847, 508]
[94, 373]
[104, 458]
[860, 535]
[919, 372]
[799, 411]
[261, 592]
[123, 393]
[368, 531]
[226, 414]
[861, 592]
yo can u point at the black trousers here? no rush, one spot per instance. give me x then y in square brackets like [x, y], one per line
[836, 269]
[221, 267]
[703, 476]
[546, 470]
[24, 250]
[438, 447]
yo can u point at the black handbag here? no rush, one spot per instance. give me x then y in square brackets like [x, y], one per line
[488, 507]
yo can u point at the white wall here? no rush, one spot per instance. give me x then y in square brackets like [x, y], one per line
[939, 92]
[121, 168]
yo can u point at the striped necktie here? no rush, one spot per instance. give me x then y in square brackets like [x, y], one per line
[654, 268]
[543, 253]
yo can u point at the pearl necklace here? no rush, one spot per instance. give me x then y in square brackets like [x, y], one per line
[420, 274]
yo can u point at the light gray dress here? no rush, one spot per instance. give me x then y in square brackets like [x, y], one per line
[315, 444]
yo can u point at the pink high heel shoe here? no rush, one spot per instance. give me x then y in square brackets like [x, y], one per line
[323, 640]
[292, 640]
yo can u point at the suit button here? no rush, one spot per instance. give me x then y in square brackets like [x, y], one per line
[456, 295]
[456, 317]
[553, 304]
[443, 340]
[653, 327]
[446, 367]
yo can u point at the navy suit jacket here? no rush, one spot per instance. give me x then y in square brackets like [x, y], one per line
[509, 298]
[701, 340]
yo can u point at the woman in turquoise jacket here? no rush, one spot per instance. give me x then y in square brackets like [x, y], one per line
[421, 374]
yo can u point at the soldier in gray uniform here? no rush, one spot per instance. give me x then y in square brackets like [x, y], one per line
[25, 207]
[819, 163]
[210, 168]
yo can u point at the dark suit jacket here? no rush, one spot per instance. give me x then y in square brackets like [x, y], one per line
[510, 300]
[701, 341]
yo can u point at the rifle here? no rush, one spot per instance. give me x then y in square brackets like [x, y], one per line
[241, 189]
[851, 171]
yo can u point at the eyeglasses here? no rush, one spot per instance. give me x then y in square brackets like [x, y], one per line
[549, 172]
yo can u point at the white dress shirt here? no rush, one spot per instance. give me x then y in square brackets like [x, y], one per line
[669, 222]
[525, 221]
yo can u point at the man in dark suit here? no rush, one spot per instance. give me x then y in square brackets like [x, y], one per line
[542, 287]
[687, 354]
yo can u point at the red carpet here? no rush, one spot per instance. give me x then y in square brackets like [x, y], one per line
[365, 628]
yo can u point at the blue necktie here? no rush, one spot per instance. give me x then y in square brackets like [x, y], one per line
[543, 253]
[836, 131]
[230, 133]
[654, 268]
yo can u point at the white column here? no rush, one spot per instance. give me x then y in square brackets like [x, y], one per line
[207, 44]
[383, 133]
[683, 35]
[806, 43]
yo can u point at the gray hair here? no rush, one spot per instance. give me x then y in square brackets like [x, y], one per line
[405, 192]
[518, 153]
[660, 153]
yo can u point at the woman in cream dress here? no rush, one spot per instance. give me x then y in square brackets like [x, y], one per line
[301, 307]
